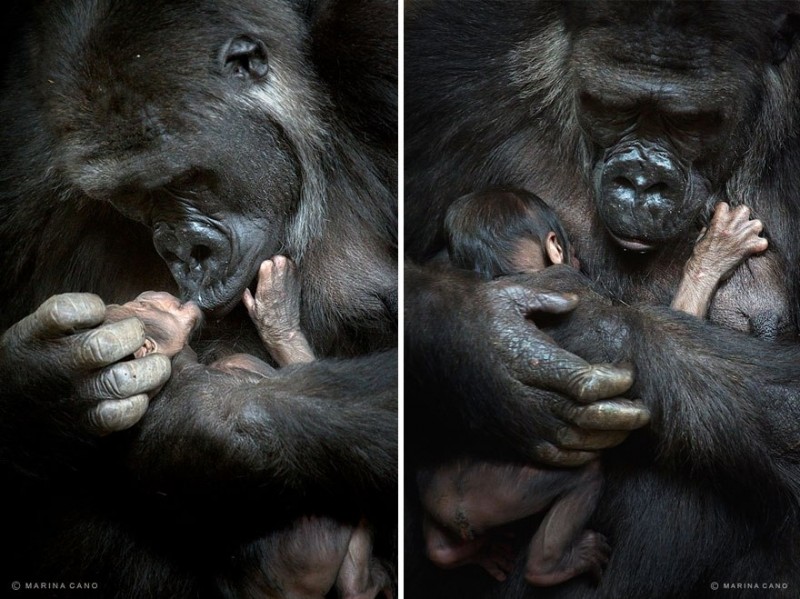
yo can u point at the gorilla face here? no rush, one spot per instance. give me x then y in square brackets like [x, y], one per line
[198, 136]
[664, 98]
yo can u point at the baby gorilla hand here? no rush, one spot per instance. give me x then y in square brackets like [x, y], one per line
[730, 238]
[275, 311]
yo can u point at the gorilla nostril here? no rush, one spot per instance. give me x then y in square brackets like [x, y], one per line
[659, 188]
[621, 181]
[201, 253]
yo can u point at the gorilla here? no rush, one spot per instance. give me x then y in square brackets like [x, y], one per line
[174, 146]
[633, 120]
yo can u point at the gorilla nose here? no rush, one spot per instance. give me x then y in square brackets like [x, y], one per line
[642, 192]
[636, 179]
[639, 187]
[196, 253]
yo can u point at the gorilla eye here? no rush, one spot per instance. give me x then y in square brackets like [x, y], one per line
[699, 123]
[246, 57]
[189, 184]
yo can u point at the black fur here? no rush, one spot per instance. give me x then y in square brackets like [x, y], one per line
[710, 491]
[119, 115]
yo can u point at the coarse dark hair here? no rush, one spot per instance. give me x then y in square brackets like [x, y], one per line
[483, 229]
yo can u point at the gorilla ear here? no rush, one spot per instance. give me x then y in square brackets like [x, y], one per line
[246, 57]
[787, 29]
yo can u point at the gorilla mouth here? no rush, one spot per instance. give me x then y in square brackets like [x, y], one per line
[632, 244]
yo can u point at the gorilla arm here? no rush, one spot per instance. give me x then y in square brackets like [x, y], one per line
[505, 392]
[722, 401]
[713, 393]
[327, 427]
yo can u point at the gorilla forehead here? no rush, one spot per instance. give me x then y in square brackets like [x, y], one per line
[140, 86]
[686, 35]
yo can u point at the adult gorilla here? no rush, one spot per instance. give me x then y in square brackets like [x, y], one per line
[174, 146]
[632, 120]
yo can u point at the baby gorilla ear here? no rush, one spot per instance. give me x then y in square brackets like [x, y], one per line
[245, 57]
[553, 249]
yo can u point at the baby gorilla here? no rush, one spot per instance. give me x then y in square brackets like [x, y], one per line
[508, 231]
[314, 554]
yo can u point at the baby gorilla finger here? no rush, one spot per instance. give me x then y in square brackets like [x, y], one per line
[117, 414]
[126, 379]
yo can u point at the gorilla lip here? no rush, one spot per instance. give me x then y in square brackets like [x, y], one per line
[634, 245]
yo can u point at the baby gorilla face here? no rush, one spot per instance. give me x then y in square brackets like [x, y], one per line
[168, 323]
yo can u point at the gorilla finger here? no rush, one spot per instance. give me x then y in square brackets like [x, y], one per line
[126, 379]
[118, 414]
[570, 437]
[609, 415]
[62, 314]
[563, 371]
[109, 343]
[529, 300]
[600, 381]
[550, 455]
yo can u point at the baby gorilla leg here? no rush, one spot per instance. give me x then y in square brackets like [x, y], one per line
[465, 500]
[561, 548]
[275, 310]
[244, 365]
[299, 562]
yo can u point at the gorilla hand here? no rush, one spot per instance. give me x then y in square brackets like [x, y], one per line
[62, 348]
[529, 393]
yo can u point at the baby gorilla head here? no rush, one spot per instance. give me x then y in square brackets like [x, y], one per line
[505, 231]
[168, 323]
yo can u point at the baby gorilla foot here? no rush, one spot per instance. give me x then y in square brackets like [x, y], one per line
[497, 558]
[489, 552]
[275, 311]
[275, 307]
[589, 554]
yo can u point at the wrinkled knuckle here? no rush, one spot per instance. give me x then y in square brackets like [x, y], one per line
[567, 437]
[112, 384]
[93, 348]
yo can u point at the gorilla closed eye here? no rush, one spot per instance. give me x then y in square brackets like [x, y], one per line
[246, 57]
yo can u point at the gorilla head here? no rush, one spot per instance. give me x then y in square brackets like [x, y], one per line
[664, 99]
[218, 135]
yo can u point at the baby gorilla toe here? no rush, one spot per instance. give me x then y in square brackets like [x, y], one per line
[589, 554]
